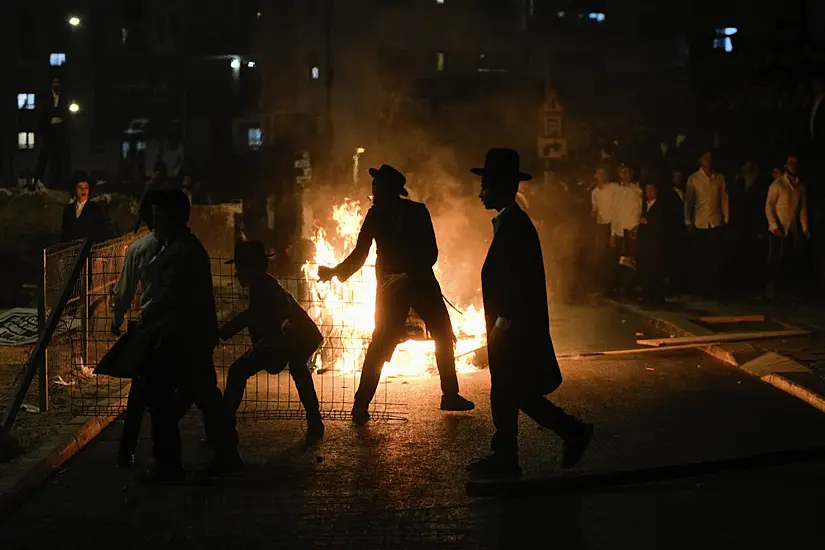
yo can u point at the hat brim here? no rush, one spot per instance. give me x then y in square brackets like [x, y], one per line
[521, 176]
[376, 174]
[234, 261]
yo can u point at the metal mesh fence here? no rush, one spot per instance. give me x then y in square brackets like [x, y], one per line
[84, 337]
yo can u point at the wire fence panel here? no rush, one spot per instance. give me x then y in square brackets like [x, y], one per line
[86, 337]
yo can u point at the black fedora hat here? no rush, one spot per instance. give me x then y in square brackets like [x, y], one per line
[249, 253]
[390, 176]
[502, 164]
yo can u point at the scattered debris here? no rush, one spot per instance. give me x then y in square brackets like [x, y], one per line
[726, 319]
[711, 339]
[29, 408]
[58, 381]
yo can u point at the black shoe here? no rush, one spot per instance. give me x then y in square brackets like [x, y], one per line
[360, 414]
[221, 468]
[315, 431]
[125, 460]
[495, 465]
[455, 402]
[162, 476]
[576, 444]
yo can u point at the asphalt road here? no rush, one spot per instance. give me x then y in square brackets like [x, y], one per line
[402, 484]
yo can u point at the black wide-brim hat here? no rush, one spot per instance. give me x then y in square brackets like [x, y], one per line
[502, 164]
[391, 177]
[249, 252]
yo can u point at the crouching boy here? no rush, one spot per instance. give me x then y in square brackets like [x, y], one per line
[282, 334]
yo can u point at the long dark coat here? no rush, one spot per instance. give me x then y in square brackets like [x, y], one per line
[513, 286]
[90, 225]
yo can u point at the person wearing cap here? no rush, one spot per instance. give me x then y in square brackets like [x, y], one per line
[82, 218]
[523, 365]
[183, 323]
[407, 251]
[282, 334]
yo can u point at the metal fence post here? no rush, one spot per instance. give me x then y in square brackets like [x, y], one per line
[84, 309]
[43, 374]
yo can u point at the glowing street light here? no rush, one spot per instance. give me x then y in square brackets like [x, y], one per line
[251, 64]
[355, 163]
[235, 64]
[74, 21]
[74, 108]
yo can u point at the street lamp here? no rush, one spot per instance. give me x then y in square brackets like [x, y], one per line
[74, 21]
[355, 162]
[74, 108]
[235, 64]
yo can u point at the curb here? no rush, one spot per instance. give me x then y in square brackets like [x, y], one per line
[790, 387]
[775, 369]
[729, 354]
[33, 468]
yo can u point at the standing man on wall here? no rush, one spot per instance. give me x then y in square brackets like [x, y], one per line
[407, 252]
[523, 365]
[54, 136]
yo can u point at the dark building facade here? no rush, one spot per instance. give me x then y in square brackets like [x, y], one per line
[152, 80]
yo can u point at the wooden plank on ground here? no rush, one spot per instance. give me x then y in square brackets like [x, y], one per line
[727, 319]
[721, 338]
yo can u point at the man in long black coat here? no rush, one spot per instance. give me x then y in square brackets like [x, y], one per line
[82, 218]
[407, 251]
[523, 366]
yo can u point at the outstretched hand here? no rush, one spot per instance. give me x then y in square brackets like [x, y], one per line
[325, 273]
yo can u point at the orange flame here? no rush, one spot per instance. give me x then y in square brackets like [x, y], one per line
[346, 310]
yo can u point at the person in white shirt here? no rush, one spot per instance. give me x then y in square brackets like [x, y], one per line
[601, 200]
[137, 270]
[706, 213]
[625, 219]
[786, 210]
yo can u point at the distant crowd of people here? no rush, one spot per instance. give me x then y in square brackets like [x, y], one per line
[745, 237]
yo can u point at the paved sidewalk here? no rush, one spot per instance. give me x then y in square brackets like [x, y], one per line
[795, 365]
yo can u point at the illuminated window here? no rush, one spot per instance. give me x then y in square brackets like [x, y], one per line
[600, 17]
[439, 61]
[25, 102]
[255, 138]
[316, 73]
[561, 14]
[57, 59]
[25, 140]
[723, 40]
[439, 1]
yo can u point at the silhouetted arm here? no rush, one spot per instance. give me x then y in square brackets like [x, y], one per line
[234, 325]
[358, 256]
[429, 247]
[124, 291]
